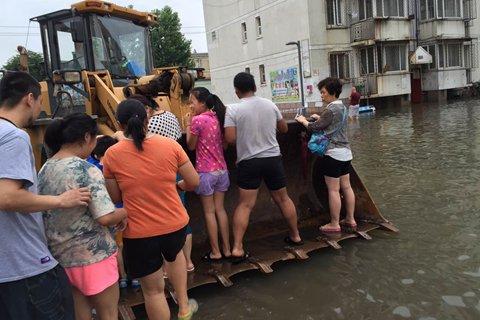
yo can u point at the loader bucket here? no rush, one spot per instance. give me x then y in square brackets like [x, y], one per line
[267, 229]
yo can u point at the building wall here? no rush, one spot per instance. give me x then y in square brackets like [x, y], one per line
[230, 55]
[306, 20]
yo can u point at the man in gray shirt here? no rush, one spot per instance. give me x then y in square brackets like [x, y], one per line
[32, 284]
[253, 125]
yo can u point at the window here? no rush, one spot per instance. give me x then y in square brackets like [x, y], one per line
[441, 56]
[395, 58]
[444, 9]
[70, 43]
[390, 8]
[427, 9]
[214, 36]
[367, 64]
[340, 65]
[261, 69]
[454, 53]
[450, 55]
[431, 49]
[247, 69]
[244, 32]
[258, 26]
[451, 8]
[365, 9]
[334, 12]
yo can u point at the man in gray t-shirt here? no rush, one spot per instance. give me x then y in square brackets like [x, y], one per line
[32, 284]
[253, 124]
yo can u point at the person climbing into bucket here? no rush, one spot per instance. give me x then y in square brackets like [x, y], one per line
[205, 135]
[252, 125]
[336, 163]
[103, 144]
[166, 124]
[79, 237]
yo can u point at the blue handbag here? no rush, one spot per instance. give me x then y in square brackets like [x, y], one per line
[319, 141]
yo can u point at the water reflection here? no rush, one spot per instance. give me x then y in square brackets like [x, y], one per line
[422, 167]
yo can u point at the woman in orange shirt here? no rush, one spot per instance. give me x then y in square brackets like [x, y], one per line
[141, 170]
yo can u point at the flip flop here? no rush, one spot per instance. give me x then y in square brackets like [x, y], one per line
[325, 229]
[352, 226]
[207, 258]
[193, 309]
[239, 259]
[289, 241]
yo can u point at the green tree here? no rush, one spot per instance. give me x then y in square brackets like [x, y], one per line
[169, 45]
[35, 64]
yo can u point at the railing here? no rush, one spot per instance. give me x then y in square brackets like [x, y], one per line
[367, 85]
[364, 30]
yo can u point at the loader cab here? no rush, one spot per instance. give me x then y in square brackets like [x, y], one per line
[93, 38]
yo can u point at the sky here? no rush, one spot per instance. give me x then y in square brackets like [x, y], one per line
[16, 15]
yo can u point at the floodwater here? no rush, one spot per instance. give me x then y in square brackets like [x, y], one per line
[421, 165]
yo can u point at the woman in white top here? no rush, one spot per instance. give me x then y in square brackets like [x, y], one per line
[336, 164]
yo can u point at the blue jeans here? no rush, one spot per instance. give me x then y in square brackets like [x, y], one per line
[46, 296]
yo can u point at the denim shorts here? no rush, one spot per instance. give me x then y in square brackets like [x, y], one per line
[211, 182]
[46, 296]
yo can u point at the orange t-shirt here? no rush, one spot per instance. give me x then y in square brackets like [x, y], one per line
[147, 180]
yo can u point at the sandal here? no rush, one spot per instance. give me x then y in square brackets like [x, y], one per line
[208, 258]
[239, 259]
[348, 225]
[325, 229]
[290, 242]
[192, 303]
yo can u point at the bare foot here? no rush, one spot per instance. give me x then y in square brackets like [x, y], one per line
[237, 252]
[331, 226]
[295, 238]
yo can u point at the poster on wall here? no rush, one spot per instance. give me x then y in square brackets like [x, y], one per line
[284, 85]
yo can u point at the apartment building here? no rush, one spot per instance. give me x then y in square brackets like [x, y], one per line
[367, 43]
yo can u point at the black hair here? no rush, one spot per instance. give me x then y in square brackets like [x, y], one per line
[332, 85]
[212, 102]
[68, 130]
[244, 82]
[15, 85]
[131, 114]
[145, 100]
[103, 143]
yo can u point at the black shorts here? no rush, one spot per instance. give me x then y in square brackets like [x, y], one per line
[144, 256]
[334, 168]
[251, 173]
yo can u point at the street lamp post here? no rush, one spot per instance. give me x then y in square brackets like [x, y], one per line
[300, 69]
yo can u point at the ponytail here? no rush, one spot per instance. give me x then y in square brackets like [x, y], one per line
[132, 115]
[136, 130]
[212, 102]
[71, 129]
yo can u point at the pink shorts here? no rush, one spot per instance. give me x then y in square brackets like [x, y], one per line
[94, 278]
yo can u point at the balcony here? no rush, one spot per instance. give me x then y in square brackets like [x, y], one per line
[383, 85]
[444, 79]
[442, 29]
[380, 29]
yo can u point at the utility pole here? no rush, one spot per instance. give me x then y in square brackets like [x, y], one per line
[300, 69]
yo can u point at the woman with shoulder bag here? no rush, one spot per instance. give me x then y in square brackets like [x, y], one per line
[330, 140]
